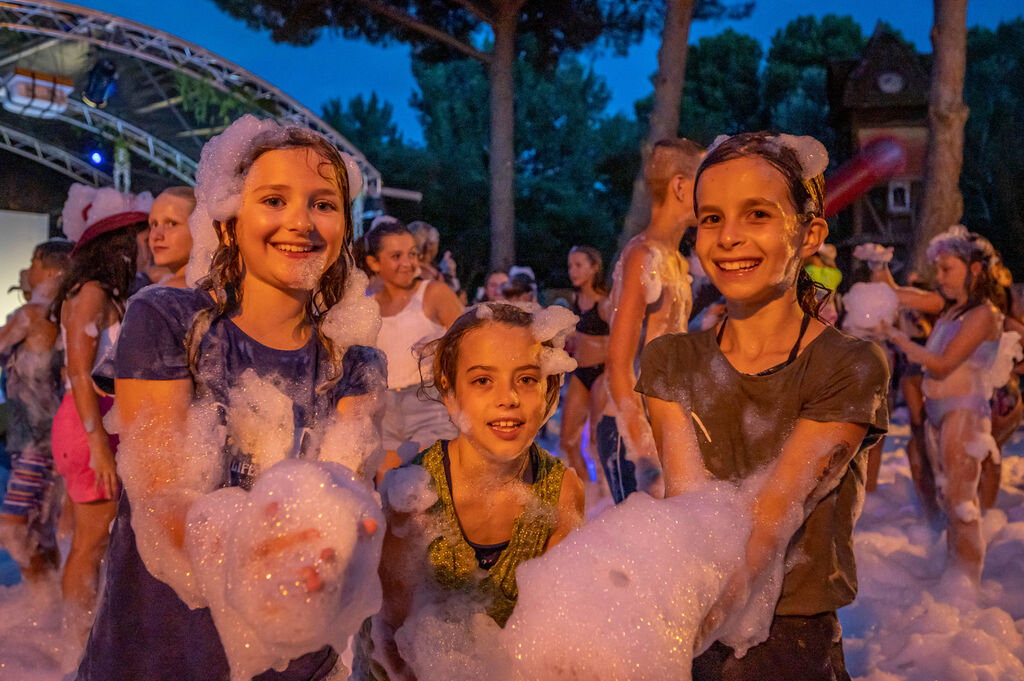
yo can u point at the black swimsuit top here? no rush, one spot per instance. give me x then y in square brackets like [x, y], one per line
[590, 321]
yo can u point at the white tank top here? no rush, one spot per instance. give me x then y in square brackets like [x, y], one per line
[401, 338]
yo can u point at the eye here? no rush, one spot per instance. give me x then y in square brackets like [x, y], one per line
[273, 201]
[325, 205]
[529, 380]
[152, 224]
[758, 214]
[709, 220]
[481, 380]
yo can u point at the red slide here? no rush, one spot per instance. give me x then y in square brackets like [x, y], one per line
[879, 159]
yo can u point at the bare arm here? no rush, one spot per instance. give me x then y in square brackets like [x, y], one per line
[441, 303]
[84, 316]
[626, 328]
[979, 325]
[15, 330]
[394, 570]
[571, 508]
[677, 445]
[910, 297]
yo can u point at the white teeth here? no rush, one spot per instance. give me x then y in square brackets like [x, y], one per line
[737, 265]
[505, 424]
[291, 248]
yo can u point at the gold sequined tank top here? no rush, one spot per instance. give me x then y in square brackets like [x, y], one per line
[454, 560]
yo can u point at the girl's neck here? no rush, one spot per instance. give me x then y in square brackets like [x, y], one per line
[390, 291]
[754, 328]
[273, 317]
[474, 464]
[586, 292]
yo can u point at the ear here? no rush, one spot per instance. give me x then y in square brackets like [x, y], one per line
[373, 263]
[447, 396]
[682, 188]
[975, 269]
[814, 236]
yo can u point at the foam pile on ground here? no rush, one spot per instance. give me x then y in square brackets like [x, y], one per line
[912, 622]
[290, 566]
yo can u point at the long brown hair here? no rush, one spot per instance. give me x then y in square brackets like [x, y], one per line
[598, 282]
[226, 268]
[808, 196]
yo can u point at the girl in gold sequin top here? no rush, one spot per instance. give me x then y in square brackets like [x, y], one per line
[489, 499]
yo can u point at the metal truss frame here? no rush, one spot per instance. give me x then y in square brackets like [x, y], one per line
[50, 156]
[70, 22]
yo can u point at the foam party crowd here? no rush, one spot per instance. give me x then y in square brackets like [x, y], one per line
[251, 439]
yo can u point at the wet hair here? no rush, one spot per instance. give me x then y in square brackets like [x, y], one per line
[444, 352]
[990, 284]
[371, 242]
[808, 196]
[518, 285]
[55, 254]
[668, 158]
[108, 259]
[226, 267]
[594, 256]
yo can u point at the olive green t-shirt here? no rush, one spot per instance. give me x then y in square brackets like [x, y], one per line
[742, 422]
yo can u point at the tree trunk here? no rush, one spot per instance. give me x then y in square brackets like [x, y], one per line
[668, 97]
[943, 204]
[502, 143]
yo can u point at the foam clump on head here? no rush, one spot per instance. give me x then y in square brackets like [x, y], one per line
[809, 151]
[554, 324]
[220, 177]
[87, 205]
[290, 566]
[961, 243]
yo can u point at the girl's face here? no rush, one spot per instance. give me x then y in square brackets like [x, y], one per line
[397, 261]
[169, 237]
[951, 276]
[749, 239]
[500, 397]
[581, 270]
[493, 289]
[292, 224]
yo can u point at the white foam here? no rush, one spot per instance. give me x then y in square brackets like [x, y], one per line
[869, 305]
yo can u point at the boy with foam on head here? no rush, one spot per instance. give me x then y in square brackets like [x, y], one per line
[651, 297]
[32, 358]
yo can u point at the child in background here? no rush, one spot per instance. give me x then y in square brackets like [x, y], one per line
[965, 359]
[772, 391]
[491, 290]
[500, 499]
[170, 240]
[413, 312]
[105, 225]
[589, 349]
[651, 297]
[29, 343]
[270, 258]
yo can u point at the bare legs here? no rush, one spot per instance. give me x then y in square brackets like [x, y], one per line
[88, 546]
[920, 467]
[574, 416]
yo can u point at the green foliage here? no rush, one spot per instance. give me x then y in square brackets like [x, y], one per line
[993, 170]
[210, 106]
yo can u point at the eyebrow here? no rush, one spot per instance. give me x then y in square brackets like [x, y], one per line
[747, 203]
[285, 188]
[480, 367]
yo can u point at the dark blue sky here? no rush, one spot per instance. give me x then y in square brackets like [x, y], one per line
[335, 67]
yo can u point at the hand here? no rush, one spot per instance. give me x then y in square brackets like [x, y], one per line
[101, 460]
[734, 596]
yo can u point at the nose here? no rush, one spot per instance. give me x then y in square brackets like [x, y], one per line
[730, 233]
[301, 219]
[509, 397]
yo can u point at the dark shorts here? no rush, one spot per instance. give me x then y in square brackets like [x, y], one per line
[619, 471]
[587, 375]
[797, 648]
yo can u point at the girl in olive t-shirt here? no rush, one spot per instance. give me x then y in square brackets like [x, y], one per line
[771, 388]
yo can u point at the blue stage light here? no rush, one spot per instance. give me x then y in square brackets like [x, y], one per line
[96, 157]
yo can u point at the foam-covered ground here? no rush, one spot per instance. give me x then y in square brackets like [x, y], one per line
[907, 624]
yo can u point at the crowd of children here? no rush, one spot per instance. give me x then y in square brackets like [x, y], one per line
[258, 299]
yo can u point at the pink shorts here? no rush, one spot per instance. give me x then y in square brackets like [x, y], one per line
[71, 450]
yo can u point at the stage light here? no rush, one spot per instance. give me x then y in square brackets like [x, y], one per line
[102, 78]
[96, 157]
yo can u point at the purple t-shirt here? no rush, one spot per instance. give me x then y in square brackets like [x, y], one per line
[143, 631]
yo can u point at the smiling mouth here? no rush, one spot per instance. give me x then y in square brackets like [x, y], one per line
[505, 428]
[738, 266]
[295, 248]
